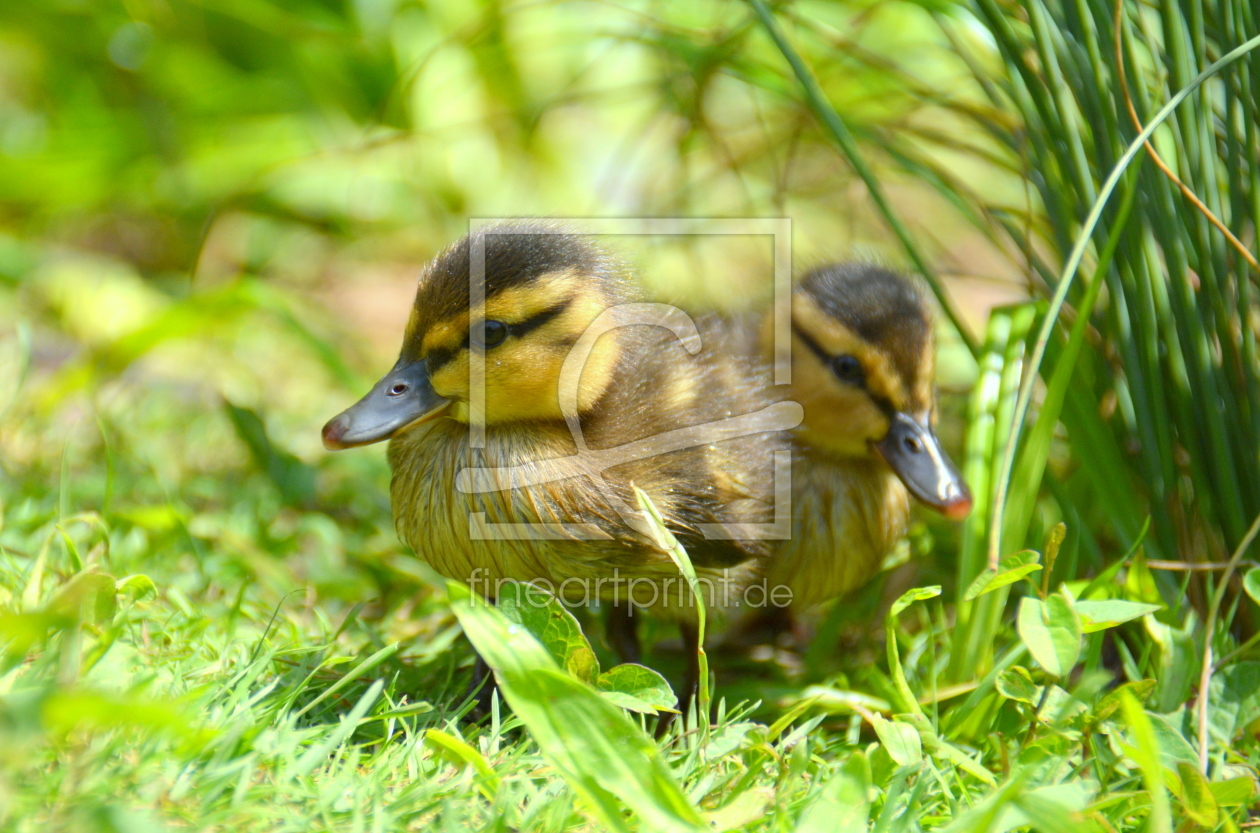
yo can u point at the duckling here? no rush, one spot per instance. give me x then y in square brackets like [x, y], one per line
[863, 367]
[586, 392]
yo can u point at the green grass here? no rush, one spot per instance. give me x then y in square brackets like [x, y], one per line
[206, 622]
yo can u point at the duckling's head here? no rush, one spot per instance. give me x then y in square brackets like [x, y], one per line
[543, 287]
[864, 372]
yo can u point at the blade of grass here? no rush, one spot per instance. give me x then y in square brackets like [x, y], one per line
[1070, 269]
[840, 133]
[669, 543]
[601, 754]
[1209, 629]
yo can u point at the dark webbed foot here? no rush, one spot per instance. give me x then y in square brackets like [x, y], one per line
[622, 632]
[689, 693]
[481, 689]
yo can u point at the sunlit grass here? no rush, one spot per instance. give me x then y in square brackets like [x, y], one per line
[206, 622]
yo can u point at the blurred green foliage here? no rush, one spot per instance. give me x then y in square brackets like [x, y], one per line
[211, 215]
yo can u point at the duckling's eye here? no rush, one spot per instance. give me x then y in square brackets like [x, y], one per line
[495, 333]
[398, 388]
[848, 369]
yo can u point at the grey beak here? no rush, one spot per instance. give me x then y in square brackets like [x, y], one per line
[912, 450]
[404, 397]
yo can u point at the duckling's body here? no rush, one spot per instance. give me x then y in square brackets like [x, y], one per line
[848, 516]
[587, 543]
[863, 368]
[587, 394]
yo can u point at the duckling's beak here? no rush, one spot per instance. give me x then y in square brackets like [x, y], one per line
[405, 397]
[914, 453]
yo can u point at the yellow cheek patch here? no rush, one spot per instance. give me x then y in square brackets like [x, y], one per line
[451, 379]
[835, 339]
[838, 417]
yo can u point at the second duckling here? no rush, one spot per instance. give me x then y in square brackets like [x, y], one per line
[863, 367]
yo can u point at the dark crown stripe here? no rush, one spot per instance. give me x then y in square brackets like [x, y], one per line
[882, 402]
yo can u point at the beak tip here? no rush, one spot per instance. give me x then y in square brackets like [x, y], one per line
[957, 504]
[958, 508]
[333, 433]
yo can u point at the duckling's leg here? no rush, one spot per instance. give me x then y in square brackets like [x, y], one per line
[481, 688]
[691, 683]
[621, 629]
[690, 691]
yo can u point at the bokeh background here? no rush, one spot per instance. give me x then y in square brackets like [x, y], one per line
[212, 216]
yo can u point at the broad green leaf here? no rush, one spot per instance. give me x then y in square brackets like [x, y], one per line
[1179, 661]
[19, 632]
[1052, 632]
[1107, 613]
[1146, 753]
[636, 688]
[1236, 792]
[844, 805]
[88, 597]
[940, 749]
[1139, 582]
[591, 743]
[1017, 684]
[901, 740]
[1235, 700]
[1053, 541]
[1174, 748]
[1052, 809]
[1197, 799]
[1010, 570]
[1107, 706]
[460, 753]
[1251, 583]
[909, 597]
[555, 627]
[745, 809]
[136, 587]
[1046, 814]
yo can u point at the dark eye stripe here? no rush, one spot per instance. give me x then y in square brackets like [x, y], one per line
[826, 358]
[538, 319]
[439, 356]
[814, 346]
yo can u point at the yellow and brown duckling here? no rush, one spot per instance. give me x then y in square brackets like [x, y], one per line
[587, 392]
[863, 368]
